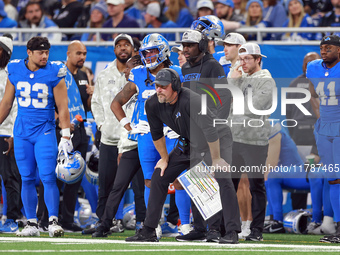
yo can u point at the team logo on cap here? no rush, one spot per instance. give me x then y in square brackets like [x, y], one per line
[328, 39]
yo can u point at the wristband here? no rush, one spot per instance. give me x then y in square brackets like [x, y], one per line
[66, 132]
[124, 121]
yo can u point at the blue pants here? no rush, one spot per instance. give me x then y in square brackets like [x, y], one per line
[40, 151]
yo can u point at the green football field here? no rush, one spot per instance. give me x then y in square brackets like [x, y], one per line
[73, 243]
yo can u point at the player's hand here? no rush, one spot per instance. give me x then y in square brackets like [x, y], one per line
[265, 176]
[162, 164]
[236, 73]
[10, 146]
[141, 128]
[172, 134]
[220, 164]
[65, 145]
[89, 89]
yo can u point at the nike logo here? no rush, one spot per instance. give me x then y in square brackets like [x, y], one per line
[13, 228]
[274, 230]
[47, 133]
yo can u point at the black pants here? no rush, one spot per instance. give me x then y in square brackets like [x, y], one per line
[246, 155]
[230, 210]
[107, 170]
[12, 181]
[128, 167]
[138, 187]
[179, 161]
[70, 191]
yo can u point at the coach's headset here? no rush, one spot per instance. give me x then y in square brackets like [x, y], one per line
[175, 79]
[203, 44]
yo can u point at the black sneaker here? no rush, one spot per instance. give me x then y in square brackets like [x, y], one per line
[255, 235]
[193, 235]
[100, 232]
[275, 227]
[213, 236]
[330, 239]
[230, 238]
[143, 236]
[73, 227]
[90, 231]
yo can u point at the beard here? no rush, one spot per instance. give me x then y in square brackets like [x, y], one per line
[124, 60]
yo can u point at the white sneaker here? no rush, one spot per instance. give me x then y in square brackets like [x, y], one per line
[312, 226]
[324, 229]
[245, 232]
[185, 229]
[54, 230]
[159, 232]
[31, 229]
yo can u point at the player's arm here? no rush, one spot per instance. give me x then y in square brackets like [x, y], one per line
[7, 101]
[61, 100]
[122, 98]
[314, 100]
[274, 149]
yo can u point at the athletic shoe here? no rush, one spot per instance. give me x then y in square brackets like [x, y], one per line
[117, 226]
[10, 226]
[31, 229]
[229, 238]
[185, 229]
[213, 236]
[244, 233]
[158, 231]
[143, 235]
[54, 229]
[330, 239]
[169, 229]
[71, 227]
[91, 230]
[328, 229]
[276, 227]
[255, 235]
[193, 235]
[22, 222]
[312, 226]
[42, 227]
[100, 232]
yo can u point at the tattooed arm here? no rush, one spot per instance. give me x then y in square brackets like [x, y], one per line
[122, 98]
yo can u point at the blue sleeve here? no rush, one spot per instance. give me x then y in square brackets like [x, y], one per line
[135, 72]
[59, 72]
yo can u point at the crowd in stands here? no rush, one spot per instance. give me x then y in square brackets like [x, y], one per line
[167, 14]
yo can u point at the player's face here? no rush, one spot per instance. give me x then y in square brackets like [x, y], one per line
[150, 55]
[165, 94]
[248, 63]
[329, 53]
[181, 58]
[77, 55]
[123, 50]
[38, 57]
[294, 7]
[190, 50]
[33, 14]
[221, 10]
[230, 51]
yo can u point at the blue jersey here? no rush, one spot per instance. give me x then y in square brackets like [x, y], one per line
[34, 93]
[138, 76]
[327, 85]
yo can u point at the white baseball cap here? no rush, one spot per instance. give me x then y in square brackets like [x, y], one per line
[115, 2]
[176, 49]
[6, 43]
[233, 38]
[154, 9]
[250, 48]
[123, 37]
[205, 3]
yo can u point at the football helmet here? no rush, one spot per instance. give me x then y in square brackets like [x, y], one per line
[209, 25]
[297, 221]
[70, 168]
[151, 42]
[92, 168]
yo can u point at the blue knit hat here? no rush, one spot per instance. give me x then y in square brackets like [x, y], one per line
[254, 1]
[102, 7]
[288, 1]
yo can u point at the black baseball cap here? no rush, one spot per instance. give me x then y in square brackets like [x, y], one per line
[331, 40]
[163, 78]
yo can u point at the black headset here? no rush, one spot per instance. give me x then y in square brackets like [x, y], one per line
[175, 79]
[203, 44]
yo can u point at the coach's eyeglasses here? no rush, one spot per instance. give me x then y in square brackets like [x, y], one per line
[245, 60]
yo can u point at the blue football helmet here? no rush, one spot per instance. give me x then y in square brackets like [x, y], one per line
[209, 25]
[71, 168]
[151, 42]
[297, 221]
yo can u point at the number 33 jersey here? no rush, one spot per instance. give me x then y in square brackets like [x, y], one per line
[34, 93]
[326, 82]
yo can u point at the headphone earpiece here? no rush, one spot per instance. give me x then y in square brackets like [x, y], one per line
[175, 79]
[203, 44]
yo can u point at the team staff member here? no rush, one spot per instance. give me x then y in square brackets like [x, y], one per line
[251, 143]
[35, 143]
[200, 73]
[324, 76]
[170, 106]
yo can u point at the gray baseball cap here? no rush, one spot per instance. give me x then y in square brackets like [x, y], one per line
[176, 49]
[250, 48]
[233, 38]
[123, 37]
[191, 36]
[163, 78]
